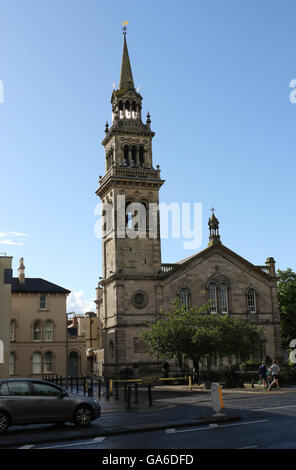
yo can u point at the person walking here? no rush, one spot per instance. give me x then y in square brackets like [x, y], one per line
[263, 374]
[275, 370]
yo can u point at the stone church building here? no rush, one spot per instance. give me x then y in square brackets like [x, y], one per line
[136, 287]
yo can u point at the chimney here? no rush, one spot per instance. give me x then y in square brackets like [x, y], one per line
[21, 271]
[270, 263]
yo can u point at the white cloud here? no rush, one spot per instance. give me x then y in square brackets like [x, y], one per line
[13, 238]
[76, 302]
[18, 234]
[7, 241]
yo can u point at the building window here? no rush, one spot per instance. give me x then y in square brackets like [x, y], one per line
[251, 300]
[12, 363]
[212, 296]
[12, 330]
[111, 349]
[48, 362]
[183, 294]
[140, 299]
[37, 331]
[48, 331]
[43, 303]
[36, 363]
[223, 298]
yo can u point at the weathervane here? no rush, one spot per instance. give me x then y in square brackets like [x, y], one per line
[212, 209]
[124, 28]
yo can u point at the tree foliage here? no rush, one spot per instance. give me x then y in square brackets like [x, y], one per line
[287, 304]
[197, 334]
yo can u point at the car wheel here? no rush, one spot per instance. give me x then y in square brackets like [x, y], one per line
[4, 421]
[83, 416]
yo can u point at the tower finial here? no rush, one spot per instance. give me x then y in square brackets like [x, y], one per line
[124, 28]
[214, 238]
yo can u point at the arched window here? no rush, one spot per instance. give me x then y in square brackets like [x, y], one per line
[128, 216]
[223, 298]
[36, 363]
[48, 362]
[141, 155]
[252, 300]
[48, 331]
[125, 154]
[12, 363]
[12, 330]
[183, 294]
[37, 331]
[212, 296]
[111, 349]
[134, 154]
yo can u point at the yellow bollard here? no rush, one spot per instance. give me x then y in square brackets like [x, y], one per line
[110, 386]
[190, 383]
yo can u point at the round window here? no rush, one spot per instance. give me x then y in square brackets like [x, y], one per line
[139, 299]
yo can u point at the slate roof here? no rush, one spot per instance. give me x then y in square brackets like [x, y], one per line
[38, 285]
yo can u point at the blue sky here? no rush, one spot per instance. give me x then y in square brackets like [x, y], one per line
[215, 78]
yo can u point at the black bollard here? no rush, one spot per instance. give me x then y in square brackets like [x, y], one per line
[107, 389]
[124, 397]
[150, 395]
[136, 394]
[128, 401]
[116, 391]
[90, 389]
[99, 389]
[71, 382]
[61, 381]
[84, 386]
[77, 385]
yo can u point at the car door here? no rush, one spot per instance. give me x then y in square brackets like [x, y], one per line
[19, 401]
[52, 407]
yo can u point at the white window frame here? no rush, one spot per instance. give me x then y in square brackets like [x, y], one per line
[252, 306]
[47, 331]
[35, 330]
[36, 365]
[212, 296]
[48, 370]
[224, 297]
[43, 302]
[12, 363]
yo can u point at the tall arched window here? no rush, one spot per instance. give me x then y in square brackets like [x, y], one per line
[252, 300]
[183, 294]
[12, 363]
[212, 296]
[37, 331]
[12, 330]
[36, 363]
[48, 330]
[223, 298]
[48, 362]
[141, 155]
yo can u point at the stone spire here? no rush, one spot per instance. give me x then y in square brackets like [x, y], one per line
[126, 76]
[21, 271]
[214, 238]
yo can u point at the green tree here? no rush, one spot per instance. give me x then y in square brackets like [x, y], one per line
[197, 334]
[287, 304]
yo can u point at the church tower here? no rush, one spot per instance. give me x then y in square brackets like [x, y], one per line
[131, 253]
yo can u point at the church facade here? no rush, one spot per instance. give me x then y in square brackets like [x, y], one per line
[136, 287]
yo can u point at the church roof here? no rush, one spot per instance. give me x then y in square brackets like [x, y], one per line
[37, 285]
[223, 248]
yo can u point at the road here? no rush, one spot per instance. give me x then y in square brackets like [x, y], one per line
[268, 423]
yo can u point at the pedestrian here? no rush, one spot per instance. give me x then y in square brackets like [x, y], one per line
[263, 374]
[275, 370]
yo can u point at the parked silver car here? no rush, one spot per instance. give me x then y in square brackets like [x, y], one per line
[31, 401]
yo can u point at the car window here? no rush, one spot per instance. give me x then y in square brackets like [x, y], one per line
[4, 389]
[19, 388]
[41, 389]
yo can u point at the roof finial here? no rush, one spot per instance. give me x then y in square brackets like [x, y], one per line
[124, 28]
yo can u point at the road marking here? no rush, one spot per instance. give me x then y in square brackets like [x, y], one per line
[248, 447]
[275, 407]
[170, 431]
[27, 446]
[97, 439]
